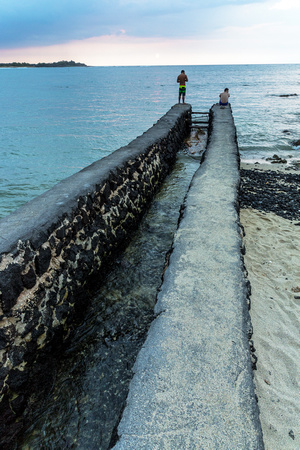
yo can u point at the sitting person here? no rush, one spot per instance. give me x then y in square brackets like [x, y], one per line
[224, 97]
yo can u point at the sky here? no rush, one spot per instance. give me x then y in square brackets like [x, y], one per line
[156, 32]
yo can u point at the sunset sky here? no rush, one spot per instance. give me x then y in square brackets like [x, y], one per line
[156, 32]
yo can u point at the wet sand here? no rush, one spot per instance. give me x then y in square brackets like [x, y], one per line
[272, 260]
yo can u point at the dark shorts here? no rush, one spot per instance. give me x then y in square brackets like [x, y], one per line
[182, 90]
[223, 104]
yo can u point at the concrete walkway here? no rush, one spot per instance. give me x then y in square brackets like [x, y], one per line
[193, 387]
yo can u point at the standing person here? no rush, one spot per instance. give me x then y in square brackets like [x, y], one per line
[182, 79]
[224, 96]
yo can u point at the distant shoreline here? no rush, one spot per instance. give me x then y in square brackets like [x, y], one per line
[54, 64]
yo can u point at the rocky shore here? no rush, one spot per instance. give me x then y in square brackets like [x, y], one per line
[270, 214]
[271, 191]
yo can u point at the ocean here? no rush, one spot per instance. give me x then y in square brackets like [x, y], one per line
[56, 121]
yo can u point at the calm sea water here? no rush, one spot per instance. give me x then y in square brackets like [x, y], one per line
[55, 121]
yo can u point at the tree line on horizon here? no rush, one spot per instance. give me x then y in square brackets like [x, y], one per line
[54, 64]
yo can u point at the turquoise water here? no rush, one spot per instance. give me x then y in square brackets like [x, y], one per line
[55, 121]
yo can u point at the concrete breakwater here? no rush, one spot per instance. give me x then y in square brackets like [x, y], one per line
[193, 382]
[56, 245]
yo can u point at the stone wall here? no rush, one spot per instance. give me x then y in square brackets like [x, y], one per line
[55, 246]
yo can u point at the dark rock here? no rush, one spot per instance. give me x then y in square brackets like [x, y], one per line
[60, 233]
[95, 242]
[29, 278]
[279, 161]
[3, 374]
[70, 254]
[62, 311]
[52, 242]
[28, 255]
[271, 191]
[42, 260]
[291, 434]
[52, 301]
[81, 202]
[77, 225]
[85, 217]
[105, 194]
[37, 332]
[17, 379]
[60, 246]
[254, 361]
[3, 338]
[11, 286]
[9, 427]
[38, 238]
[18, 404]
[288, 95]
[89, 203]
[16, 355]
[276, 160]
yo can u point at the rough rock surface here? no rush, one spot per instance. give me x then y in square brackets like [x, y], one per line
[271, 191]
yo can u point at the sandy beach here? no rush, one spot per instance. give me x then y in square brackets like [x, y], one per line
[270, 215]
